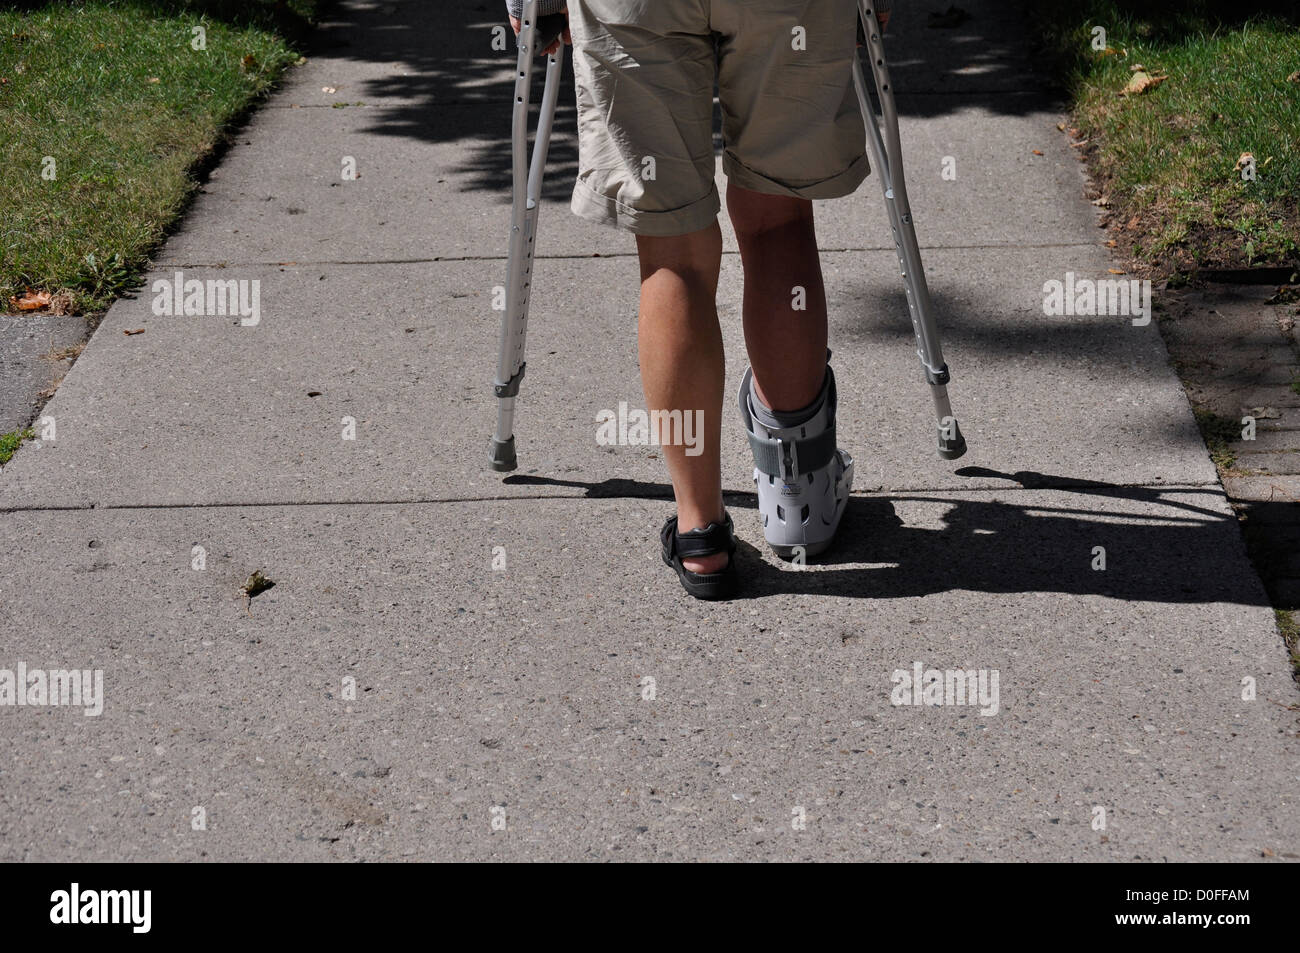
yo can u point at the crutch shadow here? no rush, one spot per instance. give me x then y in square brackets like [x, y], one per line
[1159, 543]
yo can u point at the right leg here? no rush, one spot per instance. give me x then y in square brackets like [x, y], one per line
[778, 250]
[794, 133]
[788, 404]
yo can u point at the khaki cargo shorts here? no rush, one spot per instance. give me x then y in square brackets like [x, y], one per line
[645, 71]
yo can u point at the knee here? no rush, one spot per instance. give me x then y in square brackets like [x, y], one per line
[695, 258]
[754, 214]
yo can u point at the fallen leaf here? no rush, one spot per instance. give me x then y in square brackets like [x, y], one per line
[31, 301]
[1246, 159]
[136, 331]
[1037, 153]
[1061, 126]
[249, 62]
[1116, 271]
[1081, 142]
[154, 79]
[1142, 82]
[61, 303]
[1137, 68]
[257, 583]
[1102, 202]
[1111, 243]
[1294, 77]
[328, 89]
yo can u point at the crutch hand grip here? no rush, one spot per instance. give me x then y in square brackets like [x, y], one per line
[549, 29]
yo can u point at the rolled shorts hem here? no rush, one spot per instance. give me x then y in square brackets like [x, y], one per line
[837, 186]
[599, 208]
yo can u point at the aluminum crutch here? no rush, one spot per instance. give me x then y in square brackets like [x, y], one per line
[535, 35]
[887, 158]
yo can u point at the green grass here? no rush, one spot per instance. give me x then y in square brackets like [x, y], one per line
[115, 94]
[1169, 155]
[1290, 629]
[1218, 433]
[10, 442]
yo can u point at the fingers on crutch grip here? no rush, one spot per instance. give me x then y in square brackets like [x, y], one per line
[549, 29]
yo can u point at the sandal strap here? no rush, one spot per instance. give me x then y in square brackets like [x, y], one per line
[714, 538]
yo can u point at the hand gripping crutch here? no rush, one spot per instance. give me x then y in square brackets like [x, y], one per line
[887, 158]
[535, 35]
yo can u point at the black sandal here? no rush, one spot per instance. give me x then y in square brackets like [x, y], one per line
[695, 543]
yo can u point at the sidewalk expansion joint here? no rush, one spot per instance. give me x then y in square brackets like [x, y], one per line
[1109, 489]
[161, 265]
[567, 87]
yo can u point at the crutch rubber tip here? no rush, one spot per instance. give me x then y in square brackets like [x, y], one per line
[950, 448]
[503, 455]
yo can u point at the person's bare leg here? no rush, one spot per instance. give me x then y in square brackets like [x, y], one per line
[682, 366]
[778, 248]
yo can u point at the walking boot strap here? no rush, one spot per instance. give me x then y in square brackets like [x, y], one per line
[788, 459]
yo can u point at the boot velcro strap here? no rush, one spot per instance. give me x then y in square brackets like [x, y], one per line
[790, 458]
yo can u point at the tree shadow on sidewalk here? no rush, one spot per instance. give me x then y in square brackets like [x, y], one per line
[449, 84]
[1170, 547]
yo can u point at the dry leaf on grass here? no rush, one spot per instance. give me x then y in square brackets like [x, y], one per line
[62, 303]
[1142, 82]
[1246, 159]
[31, 301]
[1294, 77]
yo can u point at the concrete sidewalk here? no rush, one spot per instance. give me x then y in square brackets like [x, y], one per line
[521, 695]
